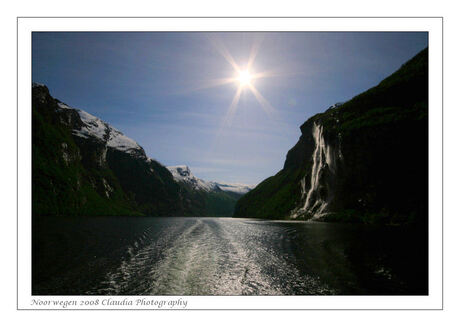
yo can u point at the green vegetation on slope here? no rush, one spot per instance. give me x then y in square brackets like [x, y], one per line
[273, 198]
[60, 183]
[220, 204]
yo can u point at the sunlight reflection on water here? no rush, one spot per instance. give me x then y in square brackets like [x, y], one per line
[213, 256]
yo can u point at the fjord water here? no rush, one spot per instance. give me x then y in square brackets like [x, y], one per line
[224, 256]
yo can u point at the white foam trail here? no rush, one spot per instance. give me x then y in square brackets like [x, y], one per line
[208, 256]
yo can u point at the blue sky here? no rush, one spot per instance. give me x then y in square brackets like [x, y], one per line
[154, 87]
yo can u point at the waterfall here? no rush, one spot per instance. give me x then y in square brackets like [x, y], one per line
[323, 162]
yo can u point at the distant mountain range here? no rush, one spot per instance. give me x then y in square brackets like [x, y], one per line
[81, 165]
[184, 175]
[365, 160]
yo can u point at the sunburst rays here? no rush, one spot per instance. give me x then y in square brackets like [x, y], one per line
[244, 76]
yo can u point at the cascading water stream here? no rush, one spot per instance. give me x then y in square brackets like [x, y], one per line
[323, 158]
[317, 163]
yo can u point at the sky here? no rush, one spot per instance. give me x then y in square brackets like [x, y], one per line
[173, 92]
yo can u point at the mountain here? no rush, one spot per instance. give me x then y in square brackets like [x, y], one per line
[81, 165]
[220, 198]
[183, 174]
[363, 160]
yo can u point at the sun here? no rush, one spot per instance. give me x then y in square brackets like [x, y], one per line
[244, 78]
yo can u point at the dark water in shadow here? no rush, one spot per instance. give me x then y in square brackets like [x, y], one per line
[224, 256]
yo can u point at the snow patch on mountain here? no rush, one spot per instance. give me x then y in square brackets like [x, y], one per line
[183, 174]
[96, 128]
[235, 187]
[120, 141]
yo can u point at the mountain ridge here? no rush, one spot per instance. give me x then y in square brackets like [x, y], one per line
[182, 173]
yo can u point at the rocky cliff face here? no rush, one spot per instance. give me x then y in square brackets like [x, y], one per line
[84, 166]
[363, 160]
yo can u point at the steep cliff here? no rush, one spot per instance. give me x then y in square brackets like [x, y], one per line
[363, 160]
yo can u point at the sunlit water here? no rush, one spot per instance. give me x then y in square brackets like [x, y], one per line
[223, 256]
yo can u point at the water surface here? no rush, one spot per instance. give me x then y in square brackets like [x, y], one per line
[224, 256]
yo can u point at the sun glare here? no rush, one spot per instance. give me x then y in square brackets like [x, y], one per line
[244, 78]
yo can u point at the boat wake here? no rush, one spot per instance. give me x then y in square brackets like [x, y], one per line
[208, 256]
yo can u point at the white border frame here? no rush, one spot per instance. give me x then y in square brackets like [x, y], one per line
[432, 25]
